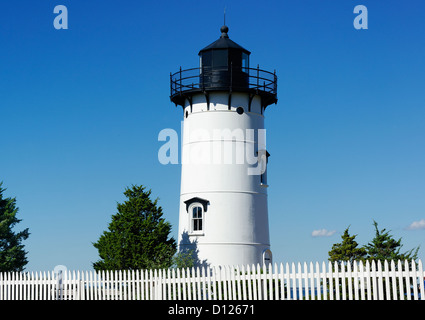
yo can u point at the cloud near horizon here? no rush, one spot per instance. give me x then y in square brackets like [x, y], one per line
[416, 225]
[322, 233]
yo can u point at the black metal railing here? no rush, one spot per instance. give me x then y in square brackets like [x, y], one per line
[233, 78]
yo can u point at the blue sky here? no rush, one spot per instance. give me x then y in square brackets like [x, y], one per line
[81, 110]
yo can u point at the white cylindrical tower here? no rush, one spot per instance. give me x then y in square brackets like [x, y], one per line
[223, 201]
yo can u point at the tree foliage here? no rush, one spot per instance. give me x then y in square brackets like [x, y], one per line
[382, 247]
[347, 250]
[12, 254]
[137, 237]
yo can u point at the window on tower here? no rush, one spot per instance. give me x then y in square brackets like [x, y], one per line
[267, 257]
[245, 62]
[220, 58]
[197, 219]
[196, 208]
[263, 159]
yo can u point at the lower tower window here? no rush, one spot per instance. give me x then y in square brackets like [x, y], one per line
[196, 208]
[267, 257]
[197, 218]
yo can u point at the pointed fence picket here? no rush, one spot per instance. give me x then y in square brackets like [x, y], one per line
[357, 280]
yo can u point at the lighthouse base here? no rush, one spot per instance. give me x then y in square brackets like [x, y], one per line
[232, 254]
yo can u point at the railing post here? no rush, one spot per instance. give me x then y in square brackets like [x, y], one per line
[180, 79]
[201, 78]
[258, 75]
[171, 84]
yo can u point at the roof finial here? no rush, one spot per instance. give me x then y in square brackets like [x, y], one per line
[224, 29]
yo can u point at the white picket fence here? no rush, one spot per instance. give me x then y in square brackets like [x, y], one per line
[357, 281]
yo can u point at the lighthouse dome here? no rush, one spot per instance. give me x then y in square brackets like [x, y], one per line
[224, 42]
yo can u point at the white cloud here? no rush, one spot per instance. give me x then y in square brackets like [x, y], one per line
[415, 225]
[322, 233]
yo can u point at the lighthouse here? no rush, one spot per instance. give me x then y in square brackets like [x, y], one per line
[223, 217]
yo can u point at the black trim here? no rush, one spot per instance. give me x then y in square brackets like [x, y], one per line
[207, 98]
[204, 203]
[251, 96]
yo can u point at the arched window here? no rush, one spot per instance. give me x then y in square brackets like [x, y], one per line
[197, 218]
[196, 208]
[267, 257]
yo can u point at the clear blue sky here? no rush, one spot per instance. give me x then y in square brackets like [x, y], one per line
[81, 110]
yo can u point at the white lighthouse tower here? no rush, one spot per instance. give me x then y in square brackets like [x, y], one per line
[223, 200]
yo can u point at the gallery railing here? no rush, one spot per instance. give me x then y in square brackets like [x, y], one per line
[233, 79]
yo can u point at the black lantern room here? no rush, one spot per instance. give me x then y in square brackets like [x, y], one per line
[223, 66]
[224, 62]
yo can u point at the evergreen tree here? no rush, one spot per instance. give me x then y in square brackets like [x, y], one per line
[12, 254]
[385, 247]
[347, 250]
[184, 259]
[137, 236]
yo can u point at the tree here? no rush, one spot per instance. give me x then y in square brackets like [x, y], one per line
[12, 254]
[385, 247]
[184, 259]
[137, 236]
[347, 250]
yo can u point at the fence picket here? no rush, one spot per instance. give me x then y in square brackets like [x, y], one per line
[374, 283]
[351, 276]
[232, 283]
[258, 282]
[356, 280]
[407, 278]
[276, 282]
[386, 273]
[414, 281]
[252, 285]
[343, 282]
[106, 286]
[216, 281]
[421, 276]
[400, 279]
[380, 281]
[249, 282]
[242, 282]
[267, 283]
[229, 277]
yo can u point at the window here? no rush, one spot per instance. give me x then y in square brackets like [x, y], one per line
[245, 62]
[197, 218]
[196, 208]
[267, 257]
[206, 59]
[235, 58]
[263, 159]
[263, 179]
[220, 58]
